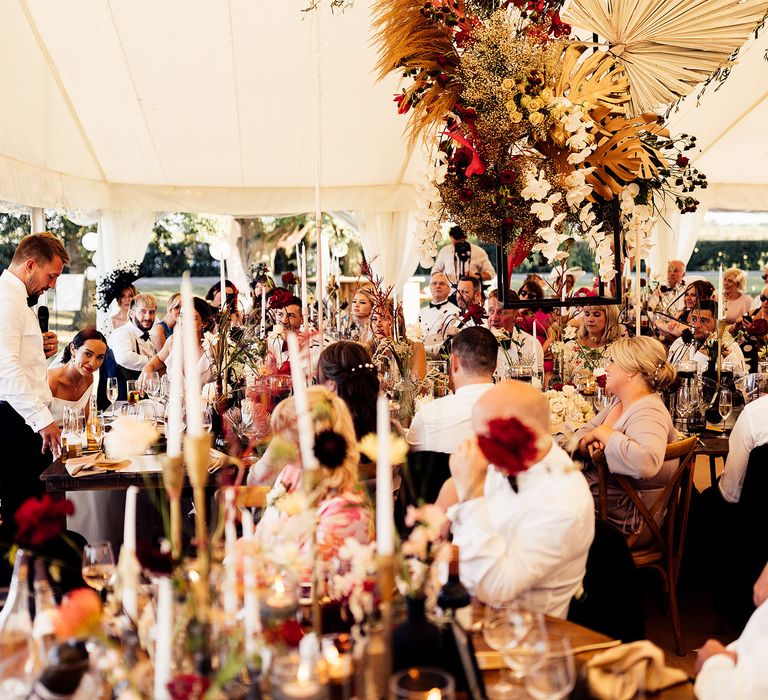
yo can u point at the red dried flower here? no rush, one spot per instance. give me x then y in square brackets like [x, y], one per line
[601, 379]
[465, 194]
[288, 278]
[474, 312]
[403, 105]
[40, 520]
[682, 161]
[510, 445]
[291, 632]
[508, 177]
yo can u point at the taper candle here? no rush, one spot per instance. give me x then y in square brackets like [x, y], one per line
[385, 536]
[164, 638]
[191, 359]
[303, 419]
[176, 394]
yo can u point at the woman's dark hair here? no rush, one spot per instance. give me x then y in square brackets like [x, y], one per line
[534, 292]
[206, 312]
[211, 293]
[349, 365]
[81, 339]
[704, 292]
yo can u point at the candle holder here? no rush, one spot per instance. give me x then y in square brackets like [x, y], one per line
[173, 479]
[197, 454]
[422, 684]
[380, 645]
[296, 678]
[337, 662]
[280, 599]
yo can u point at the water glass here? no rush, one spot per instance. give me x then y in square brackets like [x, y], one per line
[528, 644]
[98, 565]
[555, 677]
[725, 404]
[112, 392]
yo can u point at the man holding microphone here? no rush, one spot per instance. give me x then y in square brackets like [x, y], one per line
[31, 440]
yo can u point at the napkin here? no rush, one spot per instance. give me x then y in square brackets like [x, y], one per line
[618, 674]
[92, 464]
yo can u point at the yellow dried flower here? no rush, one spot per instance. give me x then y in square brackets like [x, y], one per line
[507, 84]
[511, 106]
[515, 117]
[535, 104]
[547, 95]
[525, 101]
[535, 118]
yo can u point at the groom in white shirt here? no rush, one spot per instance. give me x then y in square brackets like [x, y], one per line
[525, 535]
[30, 437]
[131, 343]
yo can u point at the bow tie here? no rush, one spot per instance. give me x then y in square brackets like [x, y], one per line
[145, 335]
[31, 301]
[433, 305]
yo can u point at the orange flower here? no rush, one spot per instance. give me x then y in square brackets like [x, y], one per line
[79, 615]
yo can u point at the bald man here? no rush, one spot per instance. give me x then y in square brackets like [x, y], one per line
[534, 539]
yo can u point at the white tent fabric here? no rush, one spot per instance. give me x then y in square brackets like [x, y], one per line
[387, 239]
[196, 106]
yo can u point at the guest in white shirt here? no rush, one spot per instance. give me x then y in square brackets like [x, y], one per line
[704, 321]
[461, 257]
[669, 298]
[530, 538]
[32, 438]
[469, 294]
[440, 316]
[131, 343]
[738, 670]
[445, 423]
[736, 302]
[288, 314]
[750, 431]
[522, 345]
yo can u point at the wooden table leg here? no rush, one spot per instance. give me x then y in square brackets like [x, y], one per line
[713, 469]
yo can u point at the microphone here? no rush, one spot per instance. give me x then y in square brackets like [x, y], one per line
[42, 318]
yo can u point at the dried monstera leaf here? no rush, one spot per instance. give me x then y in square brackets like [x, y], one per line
[596, 79]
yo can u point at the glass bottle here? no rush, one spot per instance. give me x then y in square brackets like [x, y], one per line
[45, 610]
[453, 596]
[93, 428]
[18, 656]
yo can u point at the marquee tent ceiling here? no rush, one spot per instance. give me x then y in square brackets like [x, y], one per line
[196, 105]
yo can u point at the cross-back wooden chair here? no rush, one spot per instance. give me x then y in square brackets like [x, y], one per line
[666, 521]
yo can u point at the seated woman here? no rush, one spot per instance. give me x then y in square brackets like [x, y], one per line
[124, 298]
[341, 506]
[598, 328]
[163, 329]
[632, 433]
[695, 292]
[213, 296]
[360, 314]
[388, 361]
[736, 302]
[202, 319]
[752, 332]
[347, 370]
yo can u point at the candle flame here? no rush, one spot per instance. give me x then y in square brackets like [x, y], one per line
[279, 586]
[332, 654]
[434, 694]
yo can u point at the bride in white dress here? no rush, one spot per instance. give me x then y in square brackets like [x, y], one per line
[71, 384]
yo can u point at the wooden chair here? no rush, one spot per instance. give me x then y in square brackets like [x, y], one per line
[247, 496]
[664, 552]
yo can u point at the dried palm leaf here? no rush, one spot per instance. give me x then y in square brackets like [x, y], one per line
[411, 43]
[595, 79]
[667, 47]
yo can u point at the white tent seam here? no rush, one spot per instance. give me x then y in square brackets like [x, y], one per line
[237, 94]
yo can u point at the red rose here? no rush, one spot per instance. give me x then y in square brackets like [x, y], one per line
[465, 194]
[188, 686]
[40, 520]
[285, 368]
[759, 327]
[601, 379]
[291, 632]
[475, 313]
[508, 177]
[510, 445]
[682, 161]
[279, 298]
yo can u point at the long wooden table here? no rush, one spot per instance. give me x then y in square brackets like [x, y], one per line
[579, 637]
[58, 480]
[712, 446]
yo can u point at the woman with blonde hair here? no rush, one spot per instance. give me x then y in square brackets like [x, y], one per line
[360, 311]
[589, 350]
[341, 509]
[163, 329]
[736, 302]
[632, 433]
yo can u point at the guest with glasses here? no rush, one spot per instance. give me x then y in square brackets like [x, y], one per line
[736, 302]
[522, 343]
[668, 298]
[531, 291]
[213, 296]
[695, 292]
[756, 303]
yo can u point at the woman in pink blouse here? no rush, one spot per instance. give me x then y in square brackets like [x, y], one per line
[341, 508]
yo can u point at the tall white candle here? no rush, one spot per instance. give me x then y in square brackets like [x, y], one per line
[720, 296]
[250, 592]
[385, 536]
[304, 299]
[230, 569]
[562, 292]
[128, 582]
[319, 287]
[176, 394]
[263, 332]
[303, 419]
[394, 315]
[535, 351]
[223, 290]
[638, 306]
[164, 638]
[191, 359]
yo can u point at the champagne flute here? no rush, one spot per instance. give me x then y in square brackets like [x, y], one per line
[725, 404]
[528, 644]
[112, 393]
[98, 565]
[555, 677]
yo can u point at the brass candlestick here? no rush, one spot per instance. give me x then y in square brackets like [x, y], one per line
[197, 450]
[382, 647]
[173, 478]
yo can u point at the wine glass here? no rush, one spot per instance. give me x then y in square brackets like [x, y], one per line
[207, 419]
[684, 403]
[98, 565]
[152, 386]
[725, 404]
[112, 392]
[496, 633]
[555, 677]
[528, 644]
